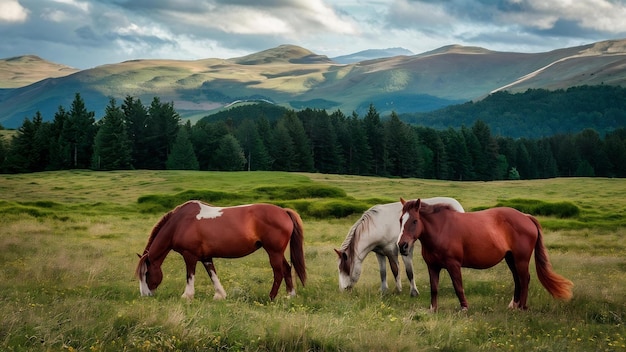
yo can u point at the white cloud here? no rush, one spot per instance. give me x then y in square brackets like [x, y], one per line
[600, 15]
[12, 11]
[54, 15]
[82, 5]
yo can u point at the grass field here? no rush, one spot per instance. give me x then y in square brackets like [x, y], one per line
[67, 258]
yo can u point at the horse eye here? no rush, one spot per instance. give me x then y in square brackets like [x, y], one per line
[414, 222]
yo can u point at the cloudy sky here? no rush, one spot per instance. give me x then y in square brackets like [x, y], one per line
[88, 33]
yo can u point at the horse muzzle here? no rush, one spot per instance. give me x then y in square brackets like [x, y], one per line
[404, 248]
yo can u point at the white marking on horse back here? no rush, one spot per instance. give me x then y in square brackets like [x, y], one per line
[405, 218]
[208, 212]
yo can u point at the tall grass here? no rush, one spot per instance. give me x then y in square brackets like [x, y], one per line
[67, 255]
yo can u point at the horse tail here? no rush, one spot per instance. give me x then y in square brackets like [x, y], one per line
[558, 286]
[296, 245]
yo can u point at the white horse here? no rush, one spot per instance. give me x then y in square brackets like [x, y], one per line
[377, 231]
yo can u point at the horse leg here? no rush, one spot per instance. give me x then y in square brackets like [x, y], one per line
[408, 265]
[288, 279]
[210, 269]
[510, 261]
[457, 282]
[276, 261]
[393, 263]
[382, 267]
[524, 279]
[521, 277]
[433, 275]
[190, 263]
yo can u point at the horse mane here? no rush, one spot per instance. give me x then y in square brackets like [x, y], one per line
[157, 228]
[349, 244]
[426, 209]
[155, 231]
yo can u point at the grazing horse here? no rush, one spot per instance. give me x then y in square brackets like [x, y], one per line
[479, 240]
[201, 232]
[377, 230]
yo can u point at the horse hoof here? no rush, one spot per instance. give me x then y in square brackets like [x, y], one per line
[415, 293]
[219, 296]
[186, 296]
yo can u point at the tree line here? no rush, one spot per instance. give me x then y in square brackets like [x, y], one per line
[135, 136]
[535, 113]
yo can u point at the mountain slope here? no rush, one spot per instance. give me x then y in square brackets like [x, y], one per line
[371, 54]
[295, 77]
[24, 70]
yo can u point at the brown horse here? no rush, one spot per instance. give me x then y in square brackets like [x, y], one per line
[451, 240]
[201, 232]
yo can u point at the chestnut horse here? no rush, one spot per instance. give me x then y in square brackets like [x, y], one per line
[451, 240]
[201, 232]
[377, 231]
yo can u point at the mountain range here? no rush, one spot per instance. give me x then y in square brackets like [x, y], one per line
[295, 77]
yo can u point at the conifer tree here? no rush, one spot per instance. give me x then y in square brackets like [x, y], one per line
[40, 149]
[376, 140]
[303, 155]
[182, 156]
[326, 152]
[360, 155]
[459, 156]
[3, 153]
[257, 157]
[401, 146]
[57, 160]
[229, 155]
[282, 149]
[20, 156]
[136, 117]
[162, 125]
[112, 147]
[76, 140]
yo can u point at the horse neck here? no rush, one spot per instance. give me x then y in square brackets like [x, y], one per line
[159, 244]
[379, 226]
[433, 224]
[158, 251]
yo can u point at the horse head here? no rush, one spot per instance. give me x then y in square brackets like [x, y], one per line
[149, 275]
[410, 225]
[349, 272]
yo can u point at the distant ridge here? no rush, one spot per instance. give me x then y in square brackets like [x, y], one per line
[23, 70]
[371, 54]
[291, 54]
[296, 78]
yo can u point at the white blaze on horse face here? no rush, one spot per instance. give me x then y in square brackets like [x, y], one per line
[143, 285]
[344, 281]
[405, 218]
[208, 212]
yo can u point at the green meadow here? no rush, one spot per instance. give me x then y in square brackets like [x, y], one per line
[68, 244]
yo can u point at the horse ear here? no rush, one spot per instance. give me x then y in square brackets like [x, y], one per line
[402, 201]
[418, 204]
[139, 255]
[341, 254]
